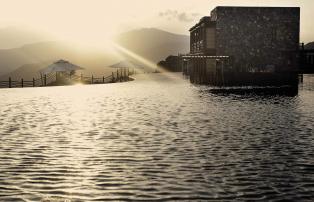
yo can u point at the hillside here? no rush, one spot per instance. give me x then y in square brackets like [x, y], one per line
[27, 72]
[309, 45]
[11, 59]
[33, 55]
[154, 44]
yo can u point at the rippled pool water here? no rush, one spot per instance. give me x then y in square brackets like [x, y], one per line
[155, 138]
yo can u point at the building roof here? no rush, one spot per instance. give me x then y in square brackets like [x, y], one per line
[205, 19]
[255, 7]
[210, 20]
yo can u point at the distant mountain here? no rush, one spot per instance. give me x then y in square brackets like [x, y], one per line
[27, 72]
[151, 44]
[13, 37]
[33, 55]
[11, 59]
[309, 45]
[154, 44]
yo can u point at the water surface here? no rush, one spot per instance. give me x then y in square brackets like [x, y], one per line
[156, 138]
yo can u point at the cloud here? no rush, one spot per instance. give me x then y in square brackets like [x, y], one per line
[180, 16]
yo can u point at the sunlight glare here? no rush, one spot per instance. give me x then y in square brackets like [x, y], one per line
[151, 65]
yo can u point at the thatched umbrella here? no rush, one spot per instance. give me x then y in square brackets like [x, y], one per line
[127, 64]
[63, 70]
[61, 66]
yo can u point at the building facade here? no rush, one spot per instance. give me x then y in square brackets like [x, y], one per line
[243, 40]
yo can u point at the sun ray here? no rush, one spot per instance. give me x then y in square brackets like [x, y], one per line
[149, 64]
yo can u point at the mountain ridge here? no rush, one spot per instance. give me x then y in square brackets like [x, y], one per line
[309, 45]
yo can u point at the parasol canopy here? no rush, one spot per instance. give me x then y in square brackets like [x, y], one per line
[126, 64]
[61, 66]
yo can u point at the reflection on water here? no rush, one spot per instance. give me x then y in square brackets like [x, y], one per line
[257, 91]
[155, 138]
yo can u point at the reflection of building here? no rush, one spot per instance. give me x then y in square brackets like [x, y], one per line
[171, 63]
[243, 39]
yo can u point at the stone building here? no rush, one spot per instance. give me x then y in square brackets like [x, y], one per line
[243, 40]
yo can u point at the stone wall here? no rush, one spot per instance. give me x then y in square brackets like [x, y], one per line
[258, 38]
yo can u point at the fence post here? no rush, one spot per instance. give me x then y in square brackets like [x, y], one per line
[22, 83]
[112, 77]
[92, 79]
[45, 79]
[10, 82]
[81, 77]
[33, 82]
[103, 79]
[117, 75]
[121, 75]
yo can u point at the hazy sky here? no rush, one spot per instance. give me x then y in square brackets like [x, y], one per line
[93, 20]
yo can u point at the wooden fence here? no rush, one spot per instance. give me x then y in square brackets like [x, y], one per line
[121, 75]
